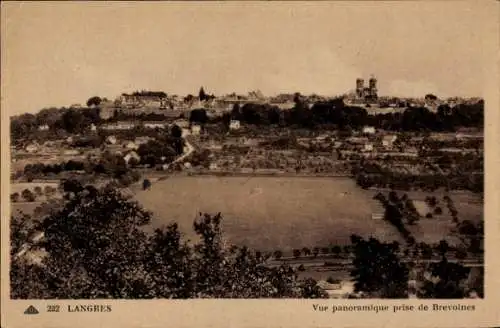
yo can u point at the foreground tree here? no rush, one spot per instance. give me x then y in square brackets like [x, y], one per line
[446, 281]
[378, 270]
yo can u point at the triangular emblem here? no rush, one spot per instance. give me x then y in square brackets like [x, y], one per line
[31, 310]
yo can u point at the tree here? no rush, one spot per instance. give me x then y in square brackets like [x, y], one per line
[315, 251]
[28, 196]
[442, 247]
[278, 254]
[377, 269]
[202, 95]
[189, 98]
[471, 235]
[448, 285]
[306, 251]
[75, 121]
[38, 190]
[426, 251]
[133, 162]
[22, 126]
[336, 250]
[176, 131]
[310, 289]
[159, 151]
[169, 263]
[393, 197]
[96, 243]
[14, 197]
[438, 210]
[296, 253]
[71, 188]
[94, 101]
[198, 116]
[430, 97]
[461, 253]
[431, 201]
[236, 112]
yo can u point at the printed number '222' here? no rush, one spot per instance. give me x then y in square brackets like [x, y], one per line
[52, 308]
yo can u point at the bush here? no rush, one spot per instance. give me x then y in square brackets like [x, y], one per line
[428, 215]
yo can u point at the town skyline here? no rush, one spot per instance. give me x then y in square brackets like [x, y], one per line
[105, 50]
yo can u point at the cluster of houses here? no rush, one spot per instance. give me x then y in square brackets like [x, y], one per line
[155, 99]
[195, 129]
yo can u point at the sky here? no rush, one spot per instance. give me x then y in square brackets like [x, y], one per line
[58, 54]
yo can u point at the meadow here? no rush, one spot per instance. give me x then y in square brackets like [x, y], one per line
[269, 213]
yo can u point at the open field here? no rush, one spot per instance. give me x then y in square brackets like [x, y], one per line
[270, 213]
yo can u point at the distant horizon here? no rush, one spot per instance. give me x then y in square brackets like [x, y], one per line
[83, 103]
[59, 54]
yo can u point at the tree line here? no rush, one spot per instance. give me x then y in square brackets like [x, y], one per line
[334, 113]
[385, 178]
[337, 114]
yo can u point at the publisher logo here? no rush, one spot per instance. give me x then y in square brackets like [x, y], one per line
[31, 310]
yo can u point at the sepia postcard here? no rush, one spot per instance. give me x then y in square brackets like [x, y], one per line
[250, 164]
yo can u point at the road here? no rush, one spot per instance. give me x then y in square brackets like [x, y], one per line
[190, 150]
